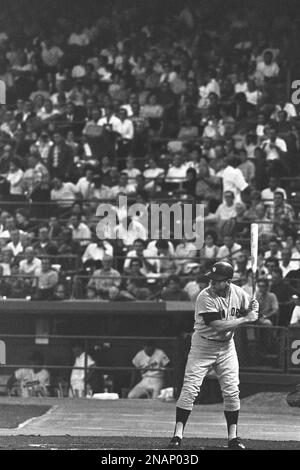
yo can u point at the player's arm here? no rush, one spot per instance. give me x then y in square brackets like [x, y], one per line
[221, 326]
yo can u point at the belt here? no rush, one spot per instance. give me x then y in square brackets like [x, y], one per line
[216, 340]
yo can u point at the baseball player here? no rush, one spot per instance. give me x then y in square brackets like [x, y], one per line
[220, 309]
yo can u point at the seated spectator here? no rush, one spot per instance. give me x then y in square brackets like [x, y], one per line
[240, 269]
[33, 381]
[136, 286]
[286, 263]
[185, 254]
[98, 190]
[268, 304]
[246, 166]
[96, 250]
[173, 290]
[106, 280]
[80, 231]
[130, 229]
[225, 214]
[189, 186]
[66, 245]
[268, 193]
[247, 283]
[265, 229]
[210, 248]
[268, 65]
[268, 267]
[131, 171]
[274, 249]
[176, 172]
[123, 187]
[143, 254]
[295, 318]
[166, 263]
[15, 245]
[150, 362]
[31, 265]
[230, 250]
[44, 246]
[85, 183]
[280, 211]
[47, 280]
[7, 258]
[193, 288]
[79, 376]
[152, 172]
[60, 158]
[64, 194]
[60, 292]
[284, 293]
[15, 177]
[5, 287]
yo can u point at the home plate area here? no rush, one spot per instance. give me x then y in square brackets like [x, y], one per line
[266, 422]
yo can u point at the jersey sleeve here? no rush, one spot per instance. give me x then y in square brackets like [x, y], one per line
[245, 301]
[207, 308]
[164, 360]
[136, 361]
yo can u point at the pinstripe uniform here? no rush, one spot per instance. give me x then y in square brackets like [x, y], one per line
[210, 348]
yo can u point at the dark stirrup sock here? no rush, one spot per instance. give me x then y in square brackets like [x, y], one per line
[231, 420]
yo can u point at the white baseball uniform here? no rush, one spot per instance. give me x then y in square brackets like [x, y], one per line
[153, 380]
[210, 348]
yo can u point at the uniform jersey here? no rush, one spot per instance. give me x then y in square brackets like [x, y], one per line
[158, 360]
[210, 307]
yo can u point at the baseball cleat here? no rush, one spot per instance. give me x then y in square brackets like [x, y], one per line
[236, 444]
[174, 443]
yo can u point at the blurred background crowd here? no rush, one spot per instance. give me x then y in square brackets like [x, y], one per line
[162, 102]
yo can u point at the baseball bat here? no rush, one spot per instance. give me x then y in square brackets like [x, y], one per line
[254, 256]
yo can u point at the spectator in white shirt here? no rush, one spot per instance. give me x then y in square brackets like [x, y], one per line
[123, 187]
[241, 85]
[130, 170]
[139, 251]
[15, 245]
[284, 105]
[96, 250]
[230, 250]
[80, 231]
[268, 67]
[267, 194]
[274, 147]
[177, 171]
[151, 173]
[233, 179]
[64, 194]
[110, 122]
[31, 265]
[286, 264]
[84, 185]
[126, 128]
[15, 178]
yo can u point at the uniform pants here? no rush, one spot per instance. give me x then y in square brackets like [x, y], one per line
[203, 355]
[148, 386]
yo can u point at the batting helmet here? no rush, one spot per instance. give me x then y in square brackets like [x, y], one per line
[220, 271]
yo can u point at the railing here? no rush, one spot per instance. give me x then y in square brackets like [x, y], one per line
[260, 349]
[121, 349]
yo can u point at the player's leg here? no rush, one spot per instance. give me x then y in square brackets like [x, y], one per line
[227, 369]
[200, 359]
[139, 390]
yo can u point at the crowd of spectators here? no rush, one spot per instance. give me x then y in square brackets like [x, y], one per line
[191, 106]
